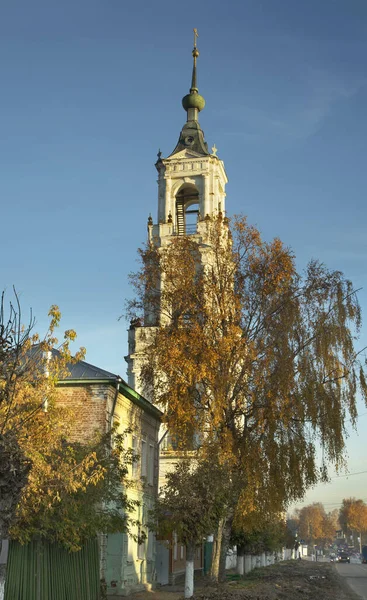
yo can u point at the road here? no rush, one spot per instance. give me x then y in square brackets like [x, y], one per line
[355, 575]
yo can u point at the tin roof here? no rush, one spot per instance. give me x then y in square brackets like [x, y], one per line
[83, 370]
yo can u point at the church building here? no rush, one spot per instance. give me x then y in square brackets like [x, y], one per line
[191, 192]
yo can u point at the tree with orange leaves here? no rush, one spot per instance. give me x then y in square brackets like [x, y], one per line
[28, 374]
[315, 525]
[51, 487]
[353, 517]
[250, 357]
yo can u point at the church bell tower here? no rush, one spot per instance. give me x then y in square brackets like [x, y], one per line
[191, 191]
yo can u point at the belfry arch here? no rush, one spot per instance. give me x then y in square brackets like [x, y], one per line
[187, 209]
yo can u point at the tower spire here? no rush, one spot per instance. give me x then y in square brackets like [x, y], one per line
[192, 135]
[195, 54]
[193, 103]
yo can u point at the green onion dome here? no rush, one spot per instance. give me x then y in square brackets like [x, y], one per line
[193, 100]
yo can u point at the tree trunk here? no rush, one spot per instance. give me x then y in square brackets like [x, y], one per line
[189, 573]
[226, 534]
[248, 563]
[221, 547]
[214, 571]
[2, 581]
[240, 559]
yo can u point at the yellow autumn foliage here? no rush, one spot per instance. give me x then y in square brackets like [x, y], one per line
[251, 356]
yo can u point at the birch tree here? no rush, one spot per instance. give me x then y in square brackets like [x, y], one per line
[248, 352]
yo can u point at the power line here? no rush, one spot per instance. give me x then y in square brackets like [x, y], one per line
[330, 504]
[358, 417]
[348, 475]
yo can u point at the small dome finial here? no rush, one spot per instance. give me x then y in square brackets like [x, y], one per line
[193, 100]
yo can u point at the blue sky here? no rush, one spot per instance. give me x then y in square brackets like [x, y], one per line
[92, 89]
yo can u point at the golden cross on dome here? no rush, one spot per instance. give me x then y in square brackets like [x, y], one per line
[196, 35]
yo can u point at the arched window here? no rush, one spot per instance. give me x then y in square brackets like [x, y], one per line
[187, 210]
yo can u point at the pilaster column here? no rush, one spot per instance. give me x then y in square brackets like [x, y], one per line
[161, 197]
[207, 207]
[218, 201]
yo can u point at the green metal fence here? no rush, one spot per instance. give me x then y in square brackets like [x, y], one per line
[44, 571]
[208, 556]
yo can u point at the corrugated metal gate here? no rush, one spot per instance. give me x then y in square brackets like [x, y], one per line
[44, 571]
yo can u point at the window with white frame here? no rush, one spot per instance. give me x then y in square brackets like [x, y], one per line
[130, 551]
[143, 458]
[135, 465]
[141, 544]
[143, 513]
[116, 426]
[150, 541]
[151, 464]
